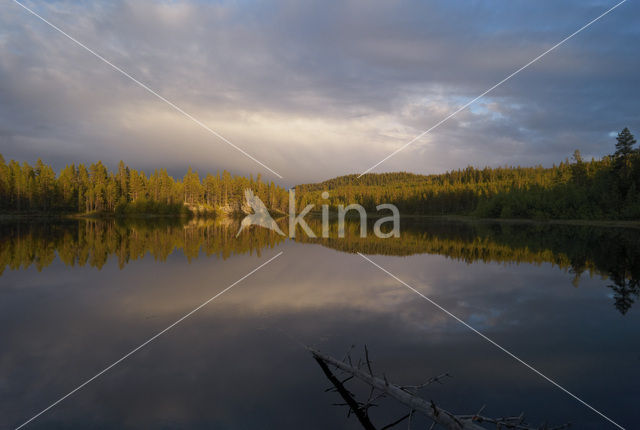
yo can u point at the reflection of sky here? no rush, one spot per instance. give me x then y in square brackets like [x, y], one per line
[231, 366]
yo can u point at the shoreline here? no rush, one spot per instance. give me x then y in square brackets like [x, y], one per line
[579, 222]
[75, 216]
[471, 218]
[35, 216]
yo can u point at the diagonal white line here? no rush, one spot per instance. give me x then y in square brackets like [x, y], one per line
[492, 342]
[151, 339]
[174, 106]
[445, 119]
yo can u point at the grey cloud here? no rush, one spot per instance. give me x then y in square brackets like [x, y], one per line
[316, 89]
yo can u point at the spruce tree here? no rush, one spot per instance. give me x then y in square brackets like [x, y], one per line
[624, 146]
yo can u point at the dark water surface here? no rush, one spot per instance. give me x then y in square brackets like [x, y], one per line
[76, 296]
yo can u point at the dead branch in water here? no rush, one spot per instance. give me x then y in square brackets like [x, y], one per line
[408, 397]
[354, 406]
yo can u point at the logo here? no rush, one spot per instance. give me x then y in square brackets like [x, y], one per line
[262, 218]
[260, 215]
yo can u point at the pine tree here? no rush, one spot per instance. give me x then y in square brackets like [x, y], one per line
[83, 189]
[67, 183]
[122, 179]
[137, 188]
[625, 142]
[45, 185]
[27, 183]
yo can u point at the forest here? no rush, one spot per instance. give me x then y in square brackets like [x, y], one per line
[78, 189]
[608, 188]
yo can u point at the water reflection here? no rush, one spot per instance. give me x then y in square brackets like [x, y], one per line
[611, 253]
[234, 364]
[93, 242]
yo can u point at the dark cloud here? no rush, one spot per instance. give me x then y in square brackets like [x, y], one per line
[316, 89]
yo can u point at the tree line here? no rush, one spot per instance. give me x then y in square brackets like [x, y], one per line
[78, 189]
[599, 189]
[608, 188]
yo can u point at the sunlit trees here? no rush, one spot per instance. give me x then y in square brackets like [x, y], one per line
[192, 187]
[68, 186]
[24, 188]
[596, 189]
[211, 186]
[84, 185]
[136, 185]
[122, 181]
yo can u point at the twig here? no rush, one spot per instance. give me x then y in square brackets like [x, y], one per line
[366, 353]
[398, 421]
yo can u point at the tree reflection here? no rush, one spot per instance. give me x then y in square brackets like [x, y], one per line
[611, 253]
[93, 242]
[624, 290]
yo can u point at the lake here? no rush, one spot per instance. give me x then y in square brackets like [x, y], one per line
[77, 295]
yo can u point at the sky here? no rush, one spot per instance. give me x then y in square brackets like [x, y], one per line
[316, 89]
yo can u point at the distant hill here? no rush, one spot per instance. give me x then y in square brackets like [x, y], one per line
[370, 179]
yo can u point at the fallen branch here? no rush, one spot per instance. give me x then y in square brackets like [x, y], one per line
[404, 395]
[346, 395]
[430, 409]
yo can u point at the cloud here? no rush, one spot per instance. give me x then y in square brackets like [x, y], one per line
[317, 89]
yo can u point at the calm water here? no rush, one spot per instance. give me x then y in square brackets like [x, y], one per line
[76, 296]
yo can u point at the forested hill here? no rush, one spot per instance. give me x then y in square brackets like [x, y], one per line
[370, 179]
[608, 188]
[455, 192]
